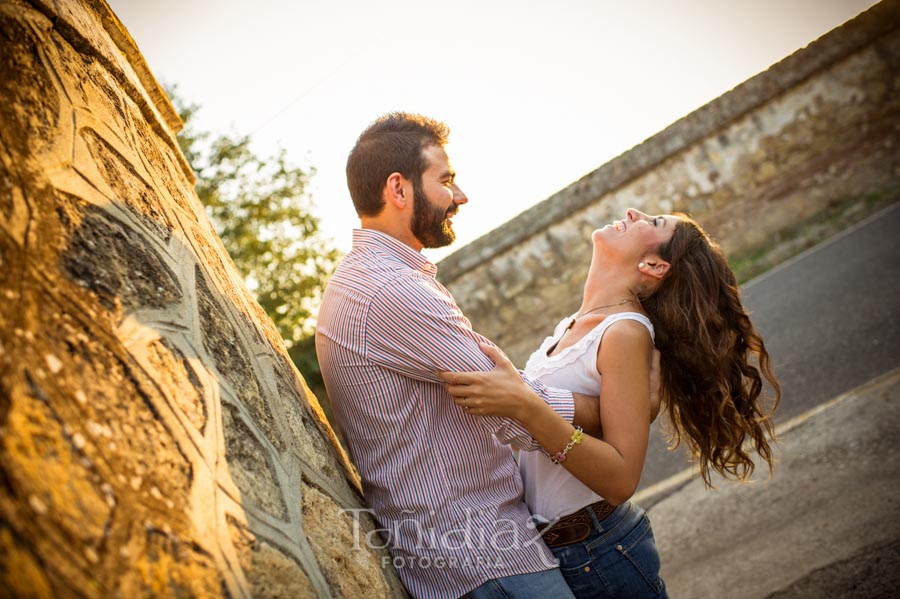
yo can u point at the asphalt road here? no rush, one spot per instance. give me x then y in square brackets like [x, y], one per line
[830, 318]
[825, 525]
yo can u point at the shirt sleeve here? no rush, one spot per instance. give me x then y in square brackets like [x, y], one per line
[416, 329]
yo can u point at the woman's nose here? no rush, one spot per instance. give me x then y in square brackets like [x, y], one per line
[633, 214]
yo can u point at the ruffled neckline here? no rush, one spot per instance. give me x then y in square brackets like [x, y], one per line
[541, 363]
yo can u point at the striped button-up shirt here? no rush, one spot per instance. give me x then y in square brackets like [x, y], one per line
[443, 484]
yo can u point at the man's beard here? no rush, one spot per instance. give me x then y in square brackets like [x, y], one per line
[429, 223]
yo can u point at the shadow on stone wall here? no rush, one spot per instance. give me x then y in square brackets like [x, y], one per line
[156, 439]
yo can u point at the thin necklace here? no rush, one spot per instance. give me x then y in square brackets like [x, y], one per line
[580, 314]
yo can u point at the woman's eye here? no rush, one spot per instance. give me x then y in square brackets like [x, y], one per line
[655, 218]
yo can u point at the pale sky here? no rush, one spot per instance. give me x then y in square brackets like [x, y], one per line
[537, 94]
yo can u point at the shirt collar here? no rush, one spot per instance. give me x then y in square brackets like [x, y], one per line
[369, 238]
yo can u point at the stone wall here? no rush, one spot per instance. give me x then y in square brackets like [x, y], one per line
[155, 438]
[774, 165]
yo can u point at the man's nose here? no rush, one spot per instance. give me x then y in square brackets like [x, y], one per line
[458, 196]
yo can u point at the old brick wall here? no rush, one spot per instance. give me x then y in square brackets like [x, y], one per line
[155, 439]
[779, 162]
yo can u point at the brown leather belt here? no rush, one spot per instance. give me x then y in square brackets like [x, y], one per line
[576, 526]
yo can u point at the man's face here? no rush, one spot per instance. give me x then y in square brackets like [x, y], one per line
[436, 198]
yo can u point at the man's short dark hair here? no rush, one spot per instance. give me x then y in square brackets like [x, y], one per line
[394, 143]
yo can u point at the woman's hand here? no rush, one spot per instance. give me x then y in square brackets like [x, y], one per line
[499, 392]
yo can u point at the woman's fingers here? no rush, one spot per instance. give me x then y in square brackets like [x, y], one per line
[496, 355]
[471, 406]
[459, 378]
[477, 392]
[460, 390]
[476, 377]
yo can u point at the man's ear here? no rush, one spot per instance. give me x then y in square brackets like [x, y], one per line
[654, 266]
[395, 190]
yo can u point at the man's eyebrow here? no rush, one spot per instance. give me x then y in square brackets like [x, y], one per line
[450, 174]
[663, 220]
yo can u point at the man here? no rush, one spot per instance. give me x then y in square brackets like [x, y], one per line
[444, 485]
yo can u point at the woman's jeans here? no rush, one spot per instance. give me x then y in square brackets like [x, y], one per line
[617, 561]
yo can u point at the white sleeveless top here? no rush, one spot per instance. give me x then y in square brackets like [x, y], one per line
[550, 491]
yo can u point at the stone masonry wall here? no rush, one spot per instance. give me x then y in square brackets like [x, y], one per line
[785, 157]
[155, 438]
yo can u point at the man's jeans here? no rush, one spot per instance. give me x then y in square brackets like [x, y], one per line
[548, 584]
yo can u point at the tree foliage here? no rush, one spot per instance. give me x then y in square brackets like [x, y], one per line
[261, 209]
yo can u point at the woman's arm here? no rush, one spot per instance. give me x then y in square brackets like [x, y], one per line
[610, 467]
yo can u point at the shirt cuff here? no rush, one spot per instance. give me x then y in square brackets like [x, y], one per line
[560, 400]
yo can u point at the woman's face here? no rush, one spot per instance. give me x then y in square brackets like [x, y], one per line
[637, 233]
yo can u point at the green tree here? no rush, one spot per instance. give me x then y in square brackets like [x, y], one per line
[261, 209]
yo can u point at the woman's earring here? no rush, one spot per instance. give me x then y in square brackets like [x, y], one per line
[641, 265]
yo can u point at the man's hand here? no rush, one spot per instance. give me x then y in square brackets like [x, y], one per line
[587, 414]
[587, 408]
[654, 384]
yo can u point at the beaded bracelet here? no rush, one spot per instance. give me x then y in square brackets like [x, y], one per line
[560, 456]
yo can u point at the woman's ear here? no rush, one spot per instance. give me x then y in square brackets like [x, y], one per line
[654, 266]
[395, 191]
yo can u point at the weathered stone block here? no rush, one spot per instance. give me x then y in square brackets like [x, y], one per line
[350, 561]
[153, 432]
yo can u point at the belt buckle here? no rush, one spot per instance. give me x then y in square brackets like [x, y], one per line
[567, 535]
[573, 528]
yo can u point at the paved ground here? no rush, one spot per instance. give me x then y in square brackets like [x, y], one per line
[826, 525]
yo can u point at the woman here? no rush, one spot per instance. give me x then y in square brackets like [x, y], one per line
[649, 276]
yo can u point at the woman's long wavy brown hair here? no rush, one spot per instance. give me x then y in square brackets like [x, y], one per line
[709, 384]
